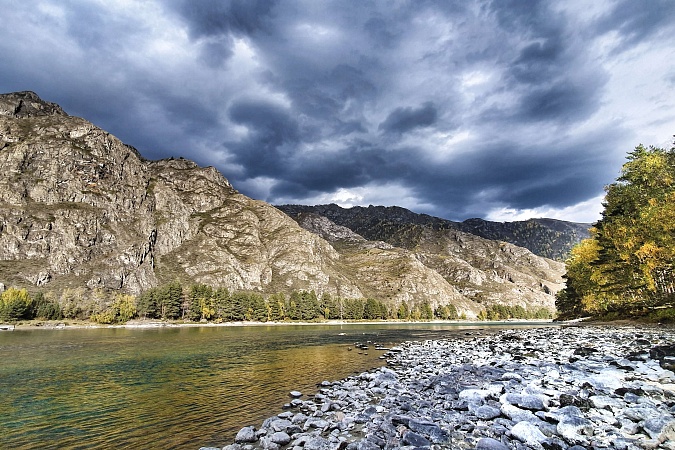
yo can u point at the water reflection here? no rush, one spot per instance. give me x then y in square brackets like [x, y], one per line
[171, 387]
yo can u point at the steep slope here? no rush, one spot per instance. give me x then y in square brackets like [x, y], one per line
[80, 208]
[481, 270]
[544, 237]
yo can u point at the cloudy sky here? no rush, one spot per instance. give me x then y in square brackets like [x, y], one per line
[502, 109]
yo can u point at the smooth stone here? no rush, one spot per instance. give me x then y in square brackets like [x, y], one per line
[527, 433]
[246, 434]
[530, 402]
[280, 425]
[314, 422]
[490, 444]
[516, 414]
[295, 394]
[280, 438]
[486, 412]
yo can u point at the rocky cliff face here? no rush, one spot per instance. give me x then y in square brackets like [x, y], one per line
[80, 208]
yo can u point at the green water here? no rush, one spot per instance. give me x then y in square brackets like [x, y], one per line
[170, 387]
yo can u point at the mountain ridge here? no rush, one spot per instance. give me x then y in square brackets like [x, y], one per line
[550, 238]
[79, 208]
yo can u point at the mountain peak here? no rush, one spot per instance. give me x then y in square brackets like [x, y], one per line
[27, 104]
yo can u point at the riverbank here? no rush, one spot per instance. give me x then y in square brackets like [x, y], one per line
[75, 324]
[554, 388]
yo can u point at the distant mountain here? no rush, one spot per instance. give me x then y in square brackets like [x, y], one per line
[483, 270]
[79, 208]
[549, 238]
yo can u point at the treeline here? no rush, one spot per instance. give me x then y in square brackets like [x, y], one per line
[626, 268]
[200, 302]
[505, 312]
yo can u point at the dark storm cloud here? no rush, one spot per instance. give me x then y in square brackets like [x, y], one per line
[402, 120]
[564, 102]
[272, 135]
[463, 106]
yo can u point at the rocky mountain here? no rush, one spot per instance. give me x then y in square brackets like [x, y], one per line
[481, 270]
[80, 208]
[549, 238]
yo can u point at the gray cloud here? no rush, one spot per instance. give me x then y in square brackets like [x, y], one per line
[465, 107]
[402, 120]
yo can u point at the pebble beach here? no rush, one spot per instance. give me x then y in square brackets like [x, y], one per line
[554, 388]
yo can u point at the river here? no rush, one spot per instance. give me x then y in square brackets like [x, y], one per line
[177, 387]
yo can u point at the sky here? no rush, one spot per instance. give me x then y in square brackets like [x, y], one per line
[504, 109]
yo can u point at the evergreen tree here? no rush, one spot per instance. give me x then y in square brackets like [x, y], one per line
[147, 305]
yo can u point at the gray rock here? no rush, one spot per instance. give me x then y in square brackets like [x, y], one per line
[315, 422]
[317, 443]
[654, 426]
[486, 412]
[528, 433]
[516, 414]
[295, 394]
[553, 443]
[280, 438]
[490, 444]
[246, 434]
[280, 425]
[575, 429]
[415, 439]
[267, 444]
[530, 402]
[430, 430]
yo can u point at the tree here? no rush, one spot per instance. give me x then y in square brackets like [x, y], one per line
[371, 309]
[15, 304]
[170, 300]
[627, 265]
[46, 308]
[147, 304]
[403, 311]
[275, 303]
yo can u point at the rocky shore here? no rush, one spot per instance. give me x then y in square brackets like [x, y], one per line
[551, 388]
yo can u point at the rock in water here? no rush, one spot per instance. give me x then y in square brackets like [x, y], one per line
[246, 434]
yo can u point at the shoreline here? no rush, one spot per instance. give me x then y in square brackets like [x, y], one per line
[558, 388]
[151, 324]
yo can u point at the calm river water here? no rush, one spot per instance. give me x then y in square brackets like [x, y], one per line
[172, 387]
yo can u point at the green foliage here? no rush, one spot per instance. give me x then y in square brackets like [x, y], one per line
[446, 312]
[15, 304]
[403, 311]
[627, 265]
[46, 308]
[506, 312]
[122, 310]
